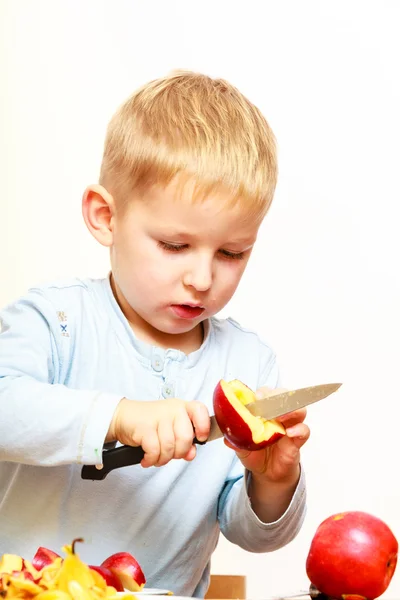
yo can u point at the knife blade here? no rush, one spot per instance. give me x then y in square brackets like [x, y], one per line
[269, 407]
[276, 405]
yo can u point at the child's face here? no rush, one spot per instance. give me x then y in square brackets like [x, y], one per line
[176, 262]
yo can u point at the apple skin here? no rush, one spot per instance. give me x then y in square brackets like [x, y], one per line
[126, 568]
[239, 427]
[108, 577]
[352, 555]
[43, 557]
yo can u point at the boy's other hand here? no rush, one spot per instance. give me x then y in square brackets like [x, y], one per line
[164, 428]
[278, 463]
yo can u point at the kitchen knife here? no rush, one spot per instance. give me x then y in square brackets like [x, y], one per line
[269, 407]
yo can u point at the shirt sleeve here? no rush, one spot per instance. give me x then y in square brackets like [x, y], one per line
[238, 522]
[43, 422]
[241, 526]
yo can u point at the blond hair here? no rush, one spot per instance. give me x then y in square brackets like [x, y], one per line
[190, 124]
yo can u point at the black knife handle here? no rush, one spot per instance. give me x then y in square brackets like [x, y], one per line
[115, 458]
[124, 456]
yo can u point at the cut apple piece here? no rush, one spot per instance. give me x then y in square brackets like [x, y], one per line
[43, 557]
[21, 583]
[109, 578]
[30, 572]
[124, 566]
[11, 563]
[240, 428]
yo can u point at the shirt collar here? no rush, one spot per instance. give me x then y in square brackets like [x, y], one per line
[145, 351]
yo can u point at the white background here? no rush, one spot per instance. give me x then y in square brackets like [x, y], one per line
[323, 285]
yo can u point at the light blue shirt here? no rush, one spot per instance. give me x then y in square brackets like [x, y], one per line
[67, 357]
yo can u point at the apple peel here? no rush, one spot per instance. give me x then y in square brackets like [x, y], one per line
[126, 568]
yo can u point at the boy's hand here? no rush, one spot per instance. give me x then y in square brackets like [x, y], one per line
[278, 463]
[164, 428]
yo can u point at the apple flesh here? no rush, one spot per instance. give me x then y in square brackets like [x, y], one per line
[43, 557]
[353, 556]
[11, 563]
[109, 577]
[239, 427]
[15, 565]
[126, 568]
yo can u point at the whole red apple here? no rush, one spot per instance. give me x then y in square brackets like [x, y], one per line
[239, 426]
[43, 557]
[126, 568]
[108, 577]
[352, 554]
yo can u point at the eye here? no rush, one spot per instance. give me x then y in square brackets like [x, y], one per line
[232, 255]
[172, 247]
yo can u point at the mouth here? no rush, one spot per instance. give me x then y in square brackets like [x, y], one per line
[188, 311]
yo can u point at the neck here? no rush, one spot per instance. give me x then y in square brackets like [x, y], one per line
[186, 342]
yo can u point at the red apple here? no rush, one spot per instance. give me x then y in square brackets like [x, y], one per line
[352, 554]
[108, 577]
[43, 557]
[124, 566]
[242, 429]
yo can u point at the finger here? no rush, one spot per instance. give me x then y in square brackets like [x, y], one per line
[191, 454]
[291, 418]
[298, 434]
[198, 414]
[240, 453]
[183, 432]
[265, 391]
[166, 437]
[151, 447]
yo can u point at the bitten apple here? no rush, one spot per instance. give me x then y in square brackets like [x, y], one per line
[43, 557]
[124, 566]
[108, 577]
[239, 426]
[352, 554]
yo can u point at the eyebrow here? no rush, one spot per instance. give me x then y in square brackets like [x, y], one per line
[187, 234]
[167, 231]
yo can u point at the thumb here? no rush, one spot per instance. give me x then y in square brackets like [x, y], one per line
[200, 418]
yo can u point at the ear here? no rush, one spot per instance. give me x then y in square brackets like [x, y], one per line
[98, 212]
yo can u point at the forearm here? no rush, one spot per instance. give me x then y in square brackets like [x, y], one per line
[270, 500]
[47, 425]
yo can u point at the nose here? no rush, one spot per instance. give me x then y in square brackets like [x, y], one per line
[199, 274]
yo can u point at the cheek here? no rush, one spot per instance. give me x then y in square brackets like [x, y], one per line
[147, 265]
[228, 278]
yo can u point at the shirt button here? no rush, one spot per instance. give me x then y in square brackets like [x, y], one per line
[157, 363]
[167, 390]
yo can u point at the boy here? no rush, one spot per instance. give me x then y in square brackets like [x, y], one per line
[188, 174]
